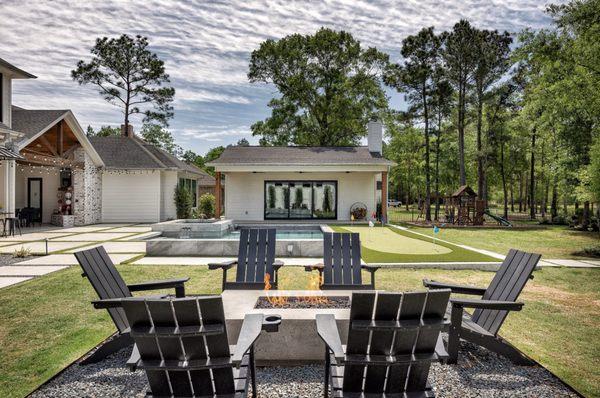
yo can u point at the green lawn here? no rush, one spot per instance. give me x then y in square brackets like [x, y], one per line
[551, 242]
[391, 245]
[48, 322]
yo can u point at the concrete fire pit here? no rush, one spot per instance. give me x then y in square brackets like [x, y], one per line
[297, 341]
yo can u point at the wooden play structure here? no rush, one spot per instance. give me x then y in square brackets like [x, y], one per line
[463, 207]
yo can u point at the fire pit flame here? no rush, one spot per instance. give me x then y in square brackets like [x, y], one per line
[281, 301]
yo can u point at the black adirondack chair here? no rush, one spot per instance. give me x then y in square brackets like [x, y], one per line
[109, 285]
[256, 258]
[342, 268]
[396, 336]
[491, 310]
[183, 347]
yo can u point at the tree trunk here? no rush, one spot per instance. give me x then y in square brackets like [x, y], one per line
[532, 177]
[480, 171]
[437, 170]
[520, 192]
[427, 169]
[586, 214]
[512, 197]
[461, 134]
[503, 175]
[554, 204]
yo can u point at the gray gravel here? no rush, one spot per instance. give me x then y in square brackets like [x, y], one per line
[8, 259]
[479, 373]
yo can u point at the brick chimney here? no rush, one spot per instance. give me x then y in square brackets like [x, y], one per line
[375, 137]
[129, 132]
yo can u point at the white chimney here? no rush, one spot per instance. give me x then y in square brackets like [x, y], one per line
[375, 138]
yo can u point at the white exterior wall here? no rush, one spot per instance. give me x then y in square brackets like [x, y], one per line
[168, 182]
[134, 197]
[244, 192]
[6, 98]
[50, 183]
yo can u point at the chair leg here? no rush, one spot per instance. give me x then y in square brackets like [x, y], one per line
[110, 347]
[454, 334]
[327, 373]
[253, 372]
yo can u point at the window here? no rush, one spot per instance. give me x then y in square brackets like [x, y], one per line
[301, 200]
[191, 186]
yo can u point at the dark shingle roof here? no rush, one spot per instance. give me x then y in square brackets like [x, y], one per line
[118, 152]
[31, 122]
[258, 155]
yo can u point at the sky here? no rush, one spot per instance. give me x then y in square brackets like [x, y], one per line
[206, 47]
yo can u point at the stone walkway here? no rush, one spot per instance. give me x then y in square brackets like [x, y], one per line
[56, 245]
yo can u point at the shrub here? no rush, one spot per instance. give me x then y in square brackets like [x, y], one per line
[206, 205]
[591, 251]
[22, 252]
[183, 201]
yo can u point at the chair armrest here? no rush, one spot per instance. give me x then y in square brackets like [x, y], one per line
[107, 303]
[251, 328]
[328, 332]
[370, 268]
[277, 264]
[225, 265]
[460, 289]
[486, 304]
[154, 285]
[317, 267]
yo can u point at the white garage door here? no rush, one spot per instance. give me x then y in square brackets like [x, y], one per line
[131, 197]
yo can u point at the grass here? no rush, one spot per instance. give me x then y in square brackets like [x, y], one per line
[407, 247]
[48, 322]
[551, 242]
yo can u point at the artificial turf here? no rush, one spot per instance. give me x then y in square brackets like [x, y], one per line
[402, 247]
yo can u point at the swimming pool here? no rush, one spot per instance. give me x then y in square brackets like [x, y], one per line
[296, 234]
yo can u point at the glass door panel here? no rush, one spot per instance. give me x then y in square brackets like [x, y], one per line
[325, 196]
[276, 200]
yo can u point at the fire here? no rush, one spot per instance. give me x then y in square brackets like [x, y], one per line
[275, 301]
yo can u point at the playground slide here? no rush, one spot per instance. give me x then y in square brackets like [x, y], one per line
[502, 221]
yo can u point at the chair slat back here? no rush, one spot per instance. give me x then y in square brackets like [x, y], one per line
[341, 258]
[507, 285]
[256, 255]
[405, 332]
[105, 279]
[183, 345]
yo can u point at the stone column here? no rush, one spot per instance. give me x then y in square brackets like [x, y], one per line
[87, 190]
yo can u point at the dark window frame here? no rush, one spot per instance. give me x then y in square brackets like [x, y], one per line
[312, 206]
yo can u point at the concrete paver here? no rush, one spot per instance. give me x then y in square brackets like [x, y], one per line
[69, 259]
[92, 236]
[142, 236]
[88, 228]
[12, 280]
[571, 263]
[115, 247]
[136, 229]
[34, 236]
[40, 247]
[29, 270]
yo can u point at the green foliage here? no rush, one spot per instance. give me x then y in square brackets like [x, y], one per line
[211, 155]
[327, 199]
[272, 200]
[594, 171]
[129, 76]
[329, 86]
[104, 131]
[160, 137]
[192, 157]
[206, 205]
[298, 198]
[183, 202]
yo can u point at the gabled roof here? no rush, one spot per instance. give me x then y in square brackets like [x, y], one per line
[32, 121]
[119, 152]
[464, 189]
[17, 73]
[295, 155]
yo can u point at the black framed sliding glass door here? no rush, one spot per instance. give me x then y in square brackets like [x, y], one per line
[300, 200]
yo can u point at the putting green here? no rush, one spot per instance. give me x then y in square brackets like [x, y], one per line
[388, 241]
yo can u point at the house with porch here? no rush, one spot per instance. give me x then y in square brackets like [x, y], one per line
[303, 183]
[50, 167]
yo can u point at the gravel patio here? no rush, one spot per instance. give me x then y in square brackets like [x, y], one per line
[479, 373]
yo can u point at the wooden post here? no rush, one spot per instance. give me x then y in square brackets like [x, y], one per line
[218, 195]
[384, 196]
[59, 138]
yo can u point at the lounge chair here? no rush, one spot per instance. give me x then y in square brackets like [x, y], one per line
[395, 336]
[109, 285]
[256, 258]
[342, 268]
[183, 347]
[491, 310]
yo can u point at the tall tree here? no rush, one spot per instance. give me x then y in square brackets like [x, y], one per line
[158, 136]
[415, 77]
[192, 157]
[460, 61]
[492, 51]
[129, 76]
[211, 155]
[329, 85]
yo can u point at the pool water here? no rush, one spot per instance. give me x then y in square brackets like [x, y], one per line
[283, 234]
